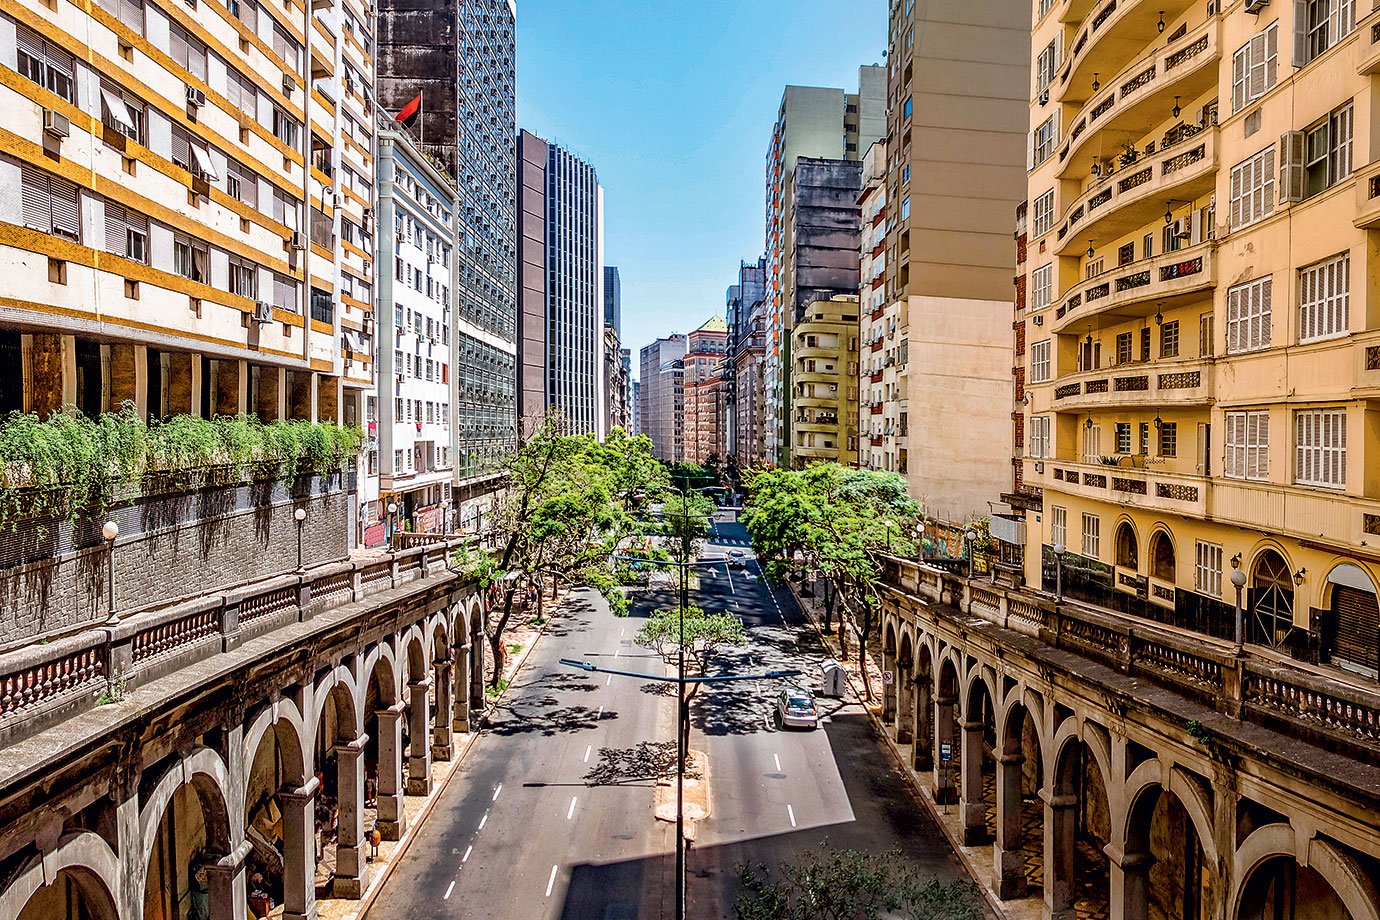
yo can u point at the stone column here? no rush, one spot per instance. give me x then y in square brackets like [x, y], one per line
[905, 714]
[943, 734]
[1008, 863]
[476, 668]
[392, 820]
[299, 851]
[1060, 817]
[973, 808]
[1129, 883]
[351, 852]
[225, 879]
[460, 718]
[441, 733]
[419, 737]
[923, 753]
[889, 690]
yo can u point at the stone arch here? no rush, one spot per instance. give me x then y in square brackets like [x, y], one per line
[339, 743]
[1166, 845]
[1018, 854]
[83, 857]
[1320, 859]
[1078, 820]
[382, 658]
[921, 680]
[976, 750]
[339, 685]
[890, 691]
[284, 719]
[382, 715]
[1163, 556]
[1127, 545]
[278, 804]
[946, 709]
[905, 693]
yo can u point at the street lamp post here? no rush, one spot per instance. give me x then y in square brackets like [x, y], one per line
[110, 530]
[969, 537]
[920, 541]
[888, 524]
[300, 516]
[1238, 581]
[1059, 549]
[392, 524]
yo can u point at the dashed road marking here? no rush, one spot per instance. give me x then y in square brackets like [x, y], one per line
[777, 761]
[484, 820]
[570, 812]
[468, 850]
[608, 680]
[449, 889]
[497, 790]
[791, 812]
[588, 749]
[600, 714]
[551, 882]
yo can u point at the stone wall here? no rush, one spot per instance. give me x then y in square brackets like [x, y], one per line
[170, 548]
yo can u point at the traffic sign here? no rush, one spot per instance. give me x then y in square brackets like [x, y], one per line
[946, 751]
[888, 677]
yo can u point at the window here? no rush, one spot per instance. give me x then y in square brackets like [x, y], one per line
[1324, 23]
[285, 293]
[1318, 158]
[285, 127]
[192, 154]
[1207, 344]
[241, 184]
[1169, 439]
[905, 208]
[1041, 287]
[1123, 437]
[1208, 571]
[130, 12]
[1147, 245]
[246, 11]
[1042, 141]
[1043, 220]
[122, 113]
[1058, 524]
[906, 109]
[1123, 347]
[241, 92]
[126, 233]
[1039, 362]
[1046, 65]
[1324, 298]
[287, 48]
[51, 204]
[46, 64]
[1092, 535]
[1255, 68]
[285, 209]
[1093, 268]
[244, 278]
[1248, 445]
[1169, 339]
[190, 258]
[1249, 316]
[1253, 189]
[187, 50]
[1039, 436]
[1125, 255]
[1320, 445]
[1092, 444]
[1045, 6]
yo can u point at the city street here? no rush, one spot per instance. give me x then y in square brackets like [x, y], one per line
[551, 814]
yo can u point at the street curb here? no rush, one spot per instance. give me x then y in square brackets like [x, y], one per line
[371, 894]
[959, 850]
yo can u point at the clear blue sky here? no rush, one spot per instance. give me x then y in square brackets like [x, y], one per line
[673, 103]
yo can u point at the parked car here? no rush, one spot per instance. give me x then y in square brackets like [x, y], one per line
[795, 707]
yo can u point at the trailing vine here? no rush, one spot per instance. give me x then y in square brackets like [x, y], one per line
[70, 465]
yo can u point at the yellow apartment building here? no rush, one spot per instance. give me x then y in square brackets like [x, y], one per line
[824, 383]
[1202, 322]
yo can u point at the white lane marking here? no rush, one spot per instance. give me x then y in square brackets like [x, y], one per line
[588, 748]
[468, 850]
[600, 714]
[497, 790]
[615, 654]
[551, 882]
[778, 762]
[731, 586]
[791, 811]
[570, 812]
[608, 680]
[449, 889]
[620, 633]
[484, 820]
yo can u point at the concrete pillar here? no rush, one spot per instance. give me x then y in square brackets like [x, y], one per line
[1008, 863]
[225, 879]
[299, 851]
[351, 854]
[943, 735]
[889, 690]
[392, 820]
[1129, 882]
[460, 720]
[923, 753]
[1060, 828]
[441, 749]
[905, 714]
[124, 385]
[972, 808]
[476, 680]
[46, 389]
[419, 735]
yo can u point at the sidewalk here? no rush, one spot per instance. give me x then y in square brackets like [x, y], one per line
[978, 859]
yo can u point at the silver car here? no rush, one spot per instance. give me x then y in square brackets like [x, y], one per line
[795, 707]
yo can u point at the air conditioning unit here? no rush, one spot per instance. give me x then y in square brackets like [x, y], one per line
[288, 83]
[263, 311]
[56, 124]
[1255, 6]
[1182, 228]
[1044, 97]
[1039, 466]
[1038, 320]
[196, 98]
[297, 241]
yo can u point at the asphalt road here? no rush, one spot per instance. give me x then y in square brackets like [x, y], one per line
[551, 813]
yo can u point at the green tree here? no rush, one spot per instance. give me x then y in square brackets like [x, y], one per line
[704, 634]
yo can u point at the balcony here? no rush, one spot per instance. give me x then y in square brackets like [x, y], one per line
[1161, 383]
[1368, 56]
[1316, 515]
[1114, 35]
[1368, 196]
[1151, 489]
[1140, 95]
[1184, 168]
[1139, 289]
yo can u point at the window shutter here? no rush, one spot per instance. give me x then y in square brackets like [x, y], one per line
[66, 207]
[1300, 32]
[1293, 176]
[1260, 334]
[1239, 63]
[116, 229]
[38, 212]
[1271, 57]
[1236, 194]
[181, 147]
[1030, 150]
[28, 42]
[1255, 75]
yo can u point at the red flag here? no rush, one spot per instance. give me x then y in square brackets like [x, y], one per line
[409, 112]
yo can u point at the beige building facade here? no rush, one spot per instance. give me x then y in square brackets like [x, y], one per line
[824, 397]
[704, 392]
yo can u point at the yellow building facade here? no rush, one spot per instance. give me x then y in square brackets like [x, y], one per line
[824, 383]
[1202, 326]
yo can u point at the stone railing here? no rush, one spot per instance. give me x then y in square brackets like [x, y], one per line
[44, 683]
[1297, 702]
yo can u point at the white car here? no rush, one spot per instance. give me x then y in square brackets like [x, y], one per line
[795, 707]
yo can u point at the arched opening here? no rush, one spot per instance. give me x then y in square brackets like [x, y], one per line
[1280, 888]
[1127, 548]
[282, 857]
[1165, 872]
[477, 664]
[74, 895]
[946, 753]
[1162, 563]
[978, 787]
[1271, 600]
[192, 834]
[442, 693]
[1078, 819]
[338, 819]
[922, 681]
[383, 753]
[417, 731]
[905, 717]
[889, 664]
[1350, 630]
[1018, 816]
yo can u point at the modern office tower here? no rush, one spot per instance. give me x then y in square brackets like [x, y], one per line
[635, 407]
[1200, 338]
[660, 403]
[747, 319]
[958, 77]
[615, 382]
[704, 391]
[561, 301]
[883, 435]
[458, 55]
[824, 396]
[613, 300]
[187, 208]
[414, 411]
[813, 122]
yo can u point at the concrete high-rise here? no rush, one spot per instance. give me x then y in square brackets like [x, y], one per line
[704, 391]
[561, 297]
[660, 397]
[613, 300]
[746, 314]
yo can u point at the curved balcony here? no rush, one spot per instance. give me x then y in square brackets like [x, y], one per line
[1150, 488]
[1141, 94]
[1110, 38]
[1139, 289]
[1135, 195]
[1170, 383]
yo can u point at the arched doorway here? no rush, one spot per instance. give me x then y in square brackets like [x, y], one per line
[1018, 854]
[947, 756]
[1165, 871]
[923, 683]
[977, 789]
[1280, 888]
[1350, 631]
[905, 715]
[417, 735]
[187, 831]
[75, 894]
[1271, 600]
[343, 869]
[1078, 828]
[279, 815]
[1127, 547]
[383, 757]
[1162, 562]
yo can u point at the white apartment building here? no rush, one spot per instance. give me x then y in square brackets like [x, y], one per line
[883, 436]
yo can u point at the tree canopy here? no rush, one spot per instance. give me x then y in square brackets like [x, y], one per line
[703, 635]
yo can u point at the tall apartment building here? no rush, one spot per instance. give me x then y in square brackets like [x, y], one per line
[704, 391]
[561, 300]
[459, 55]
[186, 209]
[812, 122]
[743, 367]
[613, 299]
[660, 396]
[824, 397]
[957, 87]
[883, 421]
[615, 382]
[1202, 358]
